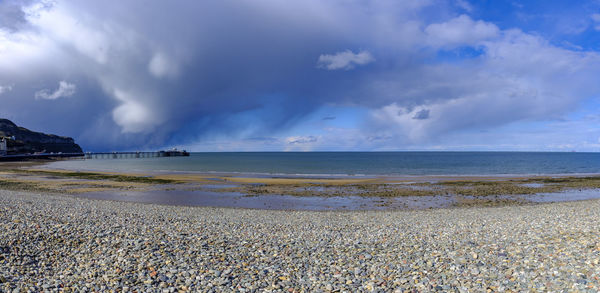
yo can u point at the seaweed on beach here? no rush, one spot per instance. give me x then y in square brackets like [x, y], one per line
[387, 190]
[498, 189]
[571, 182]
[325, 190]
[517, 186]
[100, 176]
[472, 188]
[462, 201]
[19, 185]
[8, 184]
[487, 188]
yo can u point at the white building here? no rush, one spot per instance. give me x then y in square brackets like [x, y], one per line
[3, 147]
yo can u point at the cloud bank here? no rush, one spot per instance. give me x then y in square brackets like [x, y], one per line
[185, 72]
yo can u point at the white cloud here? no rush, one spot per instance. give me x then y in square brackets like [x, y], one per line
[504, 85]
[133, 115]
[344, 60]
[19, 48]
[162, 66]
[302, 143]
[465, 5]
[57, 22]
[460, 31]
[301, 139]
[64, 90]
[596, 19]
[5, 88]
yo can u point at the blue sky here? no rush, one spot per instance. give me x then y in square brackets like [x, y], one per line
[267, 75]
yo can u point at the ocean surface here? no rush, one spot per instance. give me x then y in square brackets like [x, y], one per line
[352, 163]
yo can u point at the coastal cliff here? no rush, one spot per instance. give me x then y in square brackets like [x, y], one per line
[27, 141]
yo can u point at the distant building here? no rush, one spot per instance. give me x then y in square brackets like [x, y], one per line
[3, 146]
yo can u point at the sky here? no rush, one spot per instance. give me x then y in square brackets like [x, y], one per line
[305, 75]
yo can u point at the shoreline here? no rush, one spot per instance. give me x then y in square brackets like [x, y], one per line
[68, 243]
[259, 175]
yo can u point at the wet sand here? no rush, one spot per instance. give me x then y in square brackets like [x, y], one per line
[341, 203]
[302, 193]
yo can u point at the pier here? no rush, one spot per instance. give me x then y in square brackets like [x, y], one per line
[131, 155]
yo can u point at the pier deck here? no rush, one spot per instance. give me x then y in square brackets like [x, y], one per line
[126, 155]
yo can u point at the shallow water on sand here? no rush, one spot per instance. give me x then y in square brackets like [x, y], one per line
[276, 202]
[568, 195]
[315, 203]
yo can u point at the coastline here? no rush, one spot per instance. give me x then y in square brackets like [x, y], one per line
[285, 178]
[45, 165]
[104, 245]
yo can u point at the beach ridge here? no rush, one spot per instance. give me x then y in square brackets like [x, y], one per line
[52, 242]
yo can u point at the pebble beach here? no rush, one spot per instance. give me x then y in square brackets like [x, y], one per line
[51, 242]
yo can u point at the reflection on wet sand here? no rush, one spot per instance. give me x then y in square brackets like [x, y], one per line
[305, 193]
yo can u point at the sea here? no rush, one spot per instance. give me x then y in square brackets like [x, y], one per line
[369, 164]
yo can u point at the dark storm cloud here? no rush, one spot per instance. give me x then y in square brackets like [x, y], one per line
[175, 72]
[170, 72]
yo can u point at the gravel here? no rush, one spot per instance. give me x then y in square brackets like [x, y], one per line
[53, 242]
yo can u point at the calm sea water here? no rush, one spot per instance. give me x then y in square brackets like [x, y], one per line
[354, 163]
